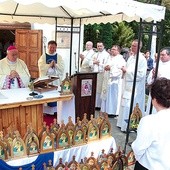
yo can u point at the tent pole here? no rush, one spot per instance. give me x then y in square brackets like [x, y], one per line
[55, 29]
[71, 42]
[158, 59]
[79, 46]
[134, 84]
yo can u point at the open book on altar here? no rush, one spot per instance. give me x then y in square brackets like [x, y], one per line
[46, 79]
[43, 84]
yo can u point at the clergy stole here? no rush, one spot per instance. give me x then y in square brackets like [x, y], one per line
[50, 58]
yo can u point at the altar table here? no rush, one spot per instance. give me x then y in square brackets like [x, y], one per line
[17, 109]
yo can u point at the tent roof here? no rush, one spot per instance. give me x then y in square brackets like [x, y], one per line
[90, 11]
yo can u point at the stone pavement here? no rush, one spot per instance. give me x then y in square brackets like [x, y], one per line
[120, 137]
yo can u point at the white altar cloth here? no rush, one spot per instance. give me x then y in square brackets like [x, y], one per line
[85, 150]
[22, 161]
[21, 95]
[66, 109]
[67, 154]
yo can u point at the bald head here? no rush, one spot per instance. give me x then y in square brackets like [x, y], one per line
[89, 45]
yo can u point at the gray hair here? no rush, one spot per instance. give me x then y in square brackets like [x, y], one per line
[167, 49]
[141, 44]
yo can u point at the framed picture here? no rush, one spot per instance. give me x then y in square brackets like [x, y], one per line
[63, 40]
[86, 87]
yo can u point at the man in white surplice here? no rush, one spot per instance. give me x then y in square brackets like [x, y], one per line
[99, 60]
[51, 64]
[163, 71]
[111, 88]
[86, 58]
[139, 95]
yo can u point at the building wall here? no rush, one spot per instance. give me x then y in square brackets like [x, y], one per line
[49, 32]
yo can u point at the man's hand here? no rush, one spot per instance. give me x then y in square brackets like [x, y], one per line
[107, 68]
[13, 74]
[96, 62]
[82, 57]
[123, 69]
[52, 64]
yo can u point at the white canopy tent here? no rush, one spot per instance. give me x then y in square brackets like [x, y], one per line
[79, 12]
[90, 11]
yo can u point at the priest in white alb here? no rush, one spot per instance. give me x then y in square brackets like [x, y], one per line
[86, 58]
[139, 95]
[99, 61]
[112, 82]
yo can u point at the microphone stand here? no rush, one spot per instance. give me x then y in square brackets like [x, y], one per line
[31, 86]
[75, 62]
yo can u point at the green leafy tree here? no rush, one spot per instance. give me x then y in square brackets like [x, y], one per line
[117, 33]
[166, 3]
[97, 29]
[92, 33]
[165, 38]
[166, 30]
[88, 32]
[146, 33]
[122, 34]
[106, 35]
